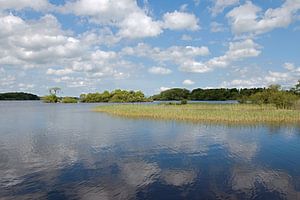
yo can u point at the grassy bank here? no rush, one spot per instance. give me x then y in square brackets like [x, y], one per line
[214, 113]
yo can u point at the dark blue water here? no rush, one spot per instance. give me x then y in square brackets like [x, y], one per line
[58, 151]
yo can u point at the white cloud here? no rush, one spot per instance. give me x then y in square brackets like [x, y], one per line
[237, 51]
[289, 66]
[244, 83]
[186, 56]
[43, 44]
[285, 78]
[33, 43]
[216, 27]
[59, 72]
[194, 67]
[139, 25]
[7, 80]
[74, 82]
[173, 53]
[101, 11]
[24, 4]
[247, 18]
[25, 86]
[159, 70]
[188, 82]
[180, 21]
[131, 20]
[164, 88]
[220, 5]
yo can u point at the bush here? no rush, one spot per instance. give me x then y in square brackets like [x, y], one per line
[183, 102]
[50, 98]
[281, 99]
[69, 100]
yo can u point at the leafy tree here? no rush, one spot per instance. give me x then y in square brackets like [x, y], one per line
[173, 94]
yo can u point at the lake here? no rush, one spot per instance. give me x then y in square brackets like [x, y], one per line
[66, 151]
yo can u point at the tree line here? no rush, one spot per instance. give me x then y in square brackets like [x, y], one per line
[274, 94]
[220, 94]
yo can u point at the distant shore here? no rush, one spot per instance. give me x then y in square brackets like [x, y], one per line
[203, 112]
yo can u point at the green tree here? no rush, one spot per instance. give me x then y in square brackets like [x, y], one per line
[173, 94]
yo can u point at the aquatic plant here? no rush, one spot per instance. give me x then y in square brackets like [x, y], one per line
[204, 112]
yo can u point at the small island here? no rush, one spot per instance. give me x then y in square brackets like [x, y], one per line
[18, 96]
[205, 112]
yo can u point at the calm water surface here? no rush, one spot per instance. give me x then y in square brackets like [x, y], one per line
[56, 151]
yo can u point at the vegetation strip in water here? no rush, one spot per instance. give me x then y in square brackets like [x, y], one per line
[203, 112]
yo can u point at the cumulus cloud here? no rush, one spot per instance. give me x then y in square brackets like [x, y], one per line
[248, 18]
[173, 53]
[42, 44]
[286, 78]
[32, 43]
[37, 5]
[186, 56]
[180, 21]
[237, 51]
[195, 67]
[139, 25]
[102, 12]
[159, 70]
[220, 5]
[188, 82]
[131, 20]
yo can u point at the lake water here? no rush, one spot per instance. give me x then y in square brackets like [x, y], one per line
[59, 151]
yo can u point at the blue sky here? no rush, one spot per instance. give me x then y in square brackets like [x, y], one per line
[95, 45]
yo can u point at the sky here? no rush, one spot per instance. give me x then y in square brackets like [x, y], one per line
[85, 46]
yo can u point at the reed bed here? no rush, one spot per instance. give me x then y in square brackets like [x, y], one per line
[203, 112]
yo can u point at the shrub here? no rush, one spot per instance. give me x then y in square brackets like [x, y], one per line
[52, 98]
[281, 99]
[183, 102]
[69, 100]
